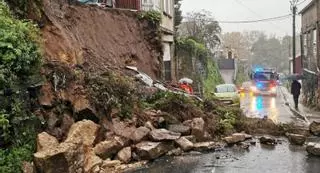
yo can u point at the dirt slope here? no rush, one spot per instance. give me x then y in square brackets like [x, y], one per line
[98, 38]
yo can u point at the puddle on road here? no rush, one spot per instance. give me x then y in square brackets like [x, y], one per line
[283, 158]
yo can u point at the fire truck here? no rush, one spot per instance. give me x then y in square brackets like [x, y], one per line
[264, 81]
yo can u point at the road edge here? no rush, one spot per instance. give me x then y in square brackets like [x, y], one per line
[292, 109]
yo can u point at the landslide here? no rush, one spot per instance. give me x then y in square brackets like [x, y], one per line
[100, 39]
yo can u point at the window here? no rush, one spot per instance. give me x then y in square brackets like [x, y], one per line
[167, 6]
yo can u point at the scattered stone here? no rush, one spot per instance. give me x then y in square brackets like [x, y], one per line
[194, 153]
[46, 142]
[175, 152]
[121, 128]
[197, 128]
[107, 149]
[153, 150]
[81, 105]
[267, 140]
[204, 146]
[313, 148]
[84, 131]
[253, 142]
[315, 128]
[28, 167]
[207, 136]
[246, 136]
[163, 135]
[124, 155]
[149, 125]
[187, 123]
[180, 128]
[191, 138]
[46, 97]
[110, 163]
[235, 138]
[296, 139]
[244, 145]
[140, 134]
[184, 143]
[91, 162]
[67, 157]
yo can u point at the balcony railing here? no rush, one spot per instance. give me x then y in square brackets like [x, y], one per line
[145, 5]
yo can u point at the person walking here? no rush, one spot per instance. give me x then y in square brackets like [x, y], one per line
[295, 91]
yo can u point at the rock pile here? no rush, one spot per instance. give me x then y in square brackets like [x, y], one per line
[80, 152]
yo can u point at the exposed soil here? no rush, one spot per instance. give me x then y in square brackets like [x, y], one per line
[98, 38]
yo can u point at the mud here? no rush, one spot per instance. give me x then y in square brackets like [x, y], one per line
[98, 39]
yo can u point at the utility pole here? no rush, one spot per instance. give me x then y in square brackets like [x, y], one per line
[294, 11]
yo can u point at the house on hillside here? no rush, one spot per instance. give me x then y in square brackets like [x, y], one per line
[166, 8]
[310, 55]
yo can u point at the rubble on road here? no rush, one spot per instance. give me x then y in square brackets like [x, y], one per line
[268, 140]
[296, 139]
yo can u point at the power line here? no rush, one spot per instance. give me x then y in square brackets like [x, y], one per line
[283, 17]
[301, 2]
[252, 11]
[260, 20]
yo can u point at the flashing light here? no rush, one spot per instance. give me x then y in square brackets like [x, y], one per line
[259, 85]
[258, 70]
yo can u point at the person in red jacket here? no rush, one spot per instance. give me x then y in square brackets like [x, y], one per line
[186, 87]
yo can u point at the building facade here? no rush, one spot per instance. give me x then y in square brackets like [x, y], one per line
[166, 8]
[310, 56]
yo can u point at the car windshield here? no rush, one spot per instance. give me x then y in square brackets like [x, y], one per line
[263, 76]
[225, 88]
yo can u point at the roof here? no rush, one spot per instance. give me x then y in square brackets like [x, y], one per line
[306, 8]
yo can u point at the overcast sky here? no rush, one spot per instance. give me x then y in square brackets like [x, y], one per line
[235, 10]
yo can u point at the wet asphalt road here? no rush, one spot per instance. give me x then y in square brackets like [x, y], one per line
[273, 108]
[283, 158]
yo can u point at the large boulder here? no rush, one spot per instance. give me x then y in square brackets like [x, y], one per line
[163, 135]
[184, 144]
[296, 139]
[313, 148]
[46, 142]
[84, 131]
[267, 140]
[235, 138]
[315, 128]
[107, 149]
[92, 162]
[67, 157]
[124, 155]
[139, 134]
[197, 128]
[180, 128]
[153, 150]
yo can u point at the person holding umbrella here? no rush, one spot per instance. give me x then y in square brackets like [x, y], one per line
[295, 91]
[185, 85]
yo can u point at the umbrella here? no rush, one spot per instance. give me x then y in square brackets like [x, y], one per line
[295, 76]
[187, 80]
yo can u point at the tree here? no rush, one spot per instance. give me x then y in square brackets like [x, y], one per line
[177, 14]
[201, 27]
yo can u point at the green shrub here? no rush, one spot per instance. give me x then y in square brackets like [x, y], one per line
[20, 59]
[152, 16]
[110, 90]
